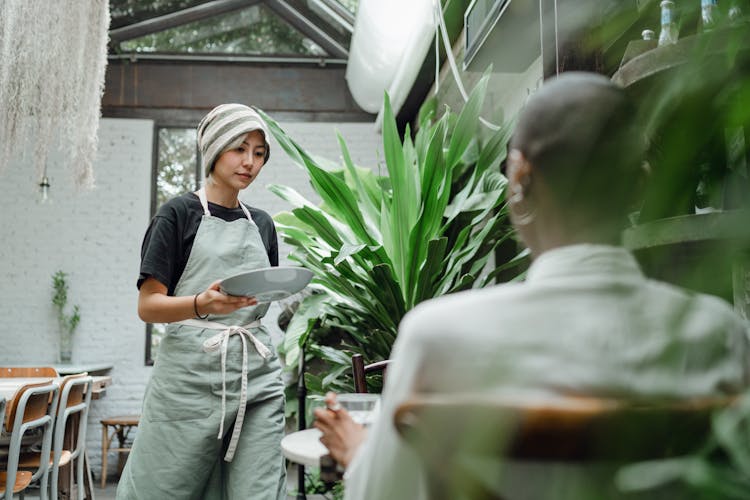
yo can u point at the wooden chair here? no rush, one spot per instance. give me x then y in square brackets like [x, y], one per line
[72, 415]
[360, 371]
[3, 474]
[29, 409]
[444, 429]
[28, 371]
[121, 427]
[22, 481]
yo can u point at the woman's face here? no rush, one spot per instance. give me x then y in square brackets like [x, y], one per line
[237, 168]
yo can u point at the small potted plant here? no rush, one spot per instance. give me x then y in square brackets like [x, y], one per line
[66, 323]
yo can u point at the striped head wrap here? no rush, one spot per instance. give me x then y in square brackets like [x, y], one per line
[221, 126]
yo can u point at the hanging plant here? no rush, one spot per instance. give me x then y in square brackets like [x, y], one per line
[53, 55]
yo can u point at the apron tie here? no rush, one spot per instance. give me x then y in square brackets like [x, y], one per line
[221, 341]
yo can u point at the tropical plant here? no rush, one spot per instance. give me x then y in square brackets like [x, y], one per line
[381, 245]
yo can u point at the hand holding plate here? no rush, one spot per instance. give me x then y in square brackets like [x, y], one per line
[213, 301]
[267, 284]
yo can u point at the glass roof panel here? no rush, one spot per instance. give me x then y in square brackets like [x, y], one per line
[315, 7]
[125, 12]
[254, 30]
[350, 4]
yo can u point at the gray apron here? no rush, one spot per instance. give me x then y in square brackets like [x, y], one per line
[213, 412]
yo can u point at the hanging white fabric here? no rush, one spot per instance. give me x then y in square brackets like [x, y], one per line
[51, 81]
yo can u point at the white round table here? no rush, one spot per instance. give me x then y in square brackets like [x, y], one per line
[304, 447]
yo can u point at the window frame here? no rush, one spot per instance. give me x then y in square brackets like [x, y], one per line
[148, 353]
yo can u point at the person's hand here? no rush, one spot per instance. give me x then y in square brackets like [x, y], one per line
[341, 435]
[212, 301]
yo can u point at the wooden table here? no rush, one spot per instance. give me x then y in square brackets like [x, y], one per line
[90, 368]
[10, 385]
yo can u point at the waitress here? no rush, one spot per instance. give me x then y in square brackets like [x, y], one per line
[213, 412]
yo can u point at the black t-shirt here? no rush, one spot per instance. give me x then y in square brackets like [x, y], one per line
[169, 238]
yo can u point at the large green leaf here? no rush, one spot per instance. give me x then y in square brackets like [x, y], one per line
[370, 210]
[337, 195]
[301, 324]
[494, 152]
[468, 123]
[403, 213]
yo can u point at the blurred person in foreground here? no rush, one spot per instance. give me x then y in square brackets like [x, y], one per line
[586, 320]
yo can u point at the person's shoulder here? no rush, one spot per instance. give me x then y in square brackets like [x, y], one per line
[179, 206]
[694, 303]
[448, 313]
[260, 216]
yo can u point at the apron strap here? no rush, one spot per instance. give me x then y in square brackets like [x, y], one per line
[204, 204]
[221, 341]
[247, 212]
[204, 200]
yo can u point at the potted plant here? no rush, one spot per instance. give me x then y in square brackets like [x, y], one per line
[67, 323]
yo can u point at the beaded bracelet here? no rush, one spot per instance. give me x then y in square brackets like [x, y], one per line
[195, 308]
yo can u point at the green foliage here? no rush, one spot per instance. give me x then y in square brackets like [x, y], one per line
[720, 470]
[68, 323]
[381, 245]
[315, 485]
[696, 117]
[177, 163]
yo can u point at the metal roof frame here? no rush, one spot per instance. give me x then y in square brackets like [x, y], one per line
[178, 18]
[294, 12]
[338, 12]
[309, 24]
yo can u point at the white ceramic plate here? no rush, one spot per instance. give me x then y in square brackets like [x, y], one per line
[268, 284]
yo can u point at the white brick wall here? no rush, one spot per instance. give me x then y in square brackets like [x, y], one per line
[95, 237]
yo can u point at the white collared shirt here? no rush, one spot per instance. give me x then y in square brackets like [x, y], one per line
[585, 319]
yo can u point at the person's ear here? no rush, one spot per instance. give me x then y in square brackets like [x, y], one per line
[519, 172]
[519, 184]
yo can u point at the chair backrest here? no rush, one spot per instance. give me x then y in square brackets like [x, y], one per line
[2, 408]
[28, 371]
[29, 403]
[30, 409]
[75, 398]
[566, 429]
[360, 371]
[74, 388]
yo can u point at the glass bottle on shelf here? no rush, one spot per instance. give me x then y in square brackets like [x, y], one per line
[709, 14]
[668, 33]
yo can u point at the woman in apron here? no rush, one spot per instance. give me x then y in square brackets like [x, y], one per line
[213, 412]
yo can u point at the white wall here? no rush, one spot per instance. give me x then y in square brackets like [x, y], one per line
[506, 92]
[95, 237]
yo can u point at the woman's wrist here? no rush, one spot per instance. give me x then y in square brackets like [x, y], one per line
[196, 306]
